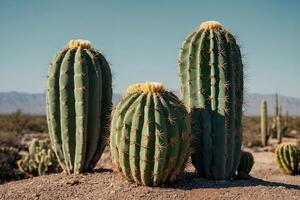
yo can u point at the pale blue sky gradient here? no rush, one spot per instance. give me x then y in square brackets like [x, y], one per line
[141, 39]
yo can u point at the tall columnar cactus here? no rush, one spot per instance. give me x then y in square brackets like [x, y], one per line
[150, 135]
[276, 120]
[288, 158]
[277, 107]
[279, 129]
[79, 95]
[211, 76]
[264, 123]
[245, 165]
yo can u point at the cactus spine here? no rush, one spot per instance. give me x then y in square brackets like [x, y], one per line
[288, 158]
[245, 165]
[79, 95]
[150, 135]
[211, 76]
[264, 123]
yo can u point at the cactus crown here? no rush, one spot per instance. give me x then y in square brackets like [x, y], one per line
[214, 25]
[147, 87]
[84, 44]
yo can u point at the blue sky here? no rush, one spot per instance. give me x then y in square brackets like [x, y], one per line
[141, 39]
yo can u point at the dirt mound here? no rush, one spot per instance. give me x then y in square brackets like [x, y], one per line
[268, 183]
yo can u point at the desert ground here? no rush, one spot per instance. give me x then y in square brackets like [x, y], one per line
[267, 181]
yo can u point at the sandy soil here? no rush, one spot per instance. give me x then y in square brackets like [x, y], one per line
[267, 183]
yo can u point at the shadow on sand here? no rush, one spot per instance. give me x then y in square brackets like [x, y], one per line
[101, 170]
[190, 181]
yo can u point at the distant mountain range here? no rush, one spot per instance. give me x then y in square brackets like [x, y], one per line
[35, 103]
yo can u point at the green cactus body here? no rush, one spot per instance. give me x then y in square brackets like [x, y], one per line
[150, 135]
[279, 129]
[264, 123]
[79, 94]
[276, 113]
[33, 147]
[288, 158]
[277, 107]
[211, 76]
[246, 164]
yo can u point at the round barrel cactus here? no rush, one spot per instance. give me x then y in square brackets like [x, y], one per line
[245, 165]
[288, 158]
[211, 77]
[79, 95]
[150, 135]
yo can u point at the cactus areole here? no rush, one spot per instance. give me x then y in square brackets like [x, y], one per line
[79, 95]
[150, 135]
[211, 77]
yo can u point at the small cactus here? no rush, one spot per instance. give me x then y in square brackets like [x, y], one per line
[264, 123]
[150, 135]
[279, 129]
[245, 165]
[33, 147]
[39, 160]
[288, 158]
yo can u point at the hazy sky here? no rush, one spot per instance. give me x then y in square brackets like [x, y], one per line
[141, 39]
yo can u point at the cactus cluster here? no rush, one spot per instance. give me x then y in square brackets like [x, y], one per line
[288, 158]
[41, 159]
[245, 165]
[150, 127]
[211, 76]
[150, 135]
[278, 129]
[79, 94]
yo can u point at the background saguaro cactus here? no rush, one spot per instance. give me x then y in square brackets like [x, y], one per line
[278, 128]
[150, 135]
[276, 114]
[79, 95]
[211, 76]
[264, 123]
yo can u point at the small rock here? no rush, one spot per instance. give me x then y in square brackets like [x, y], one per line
[73, 182]
[112, 192]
